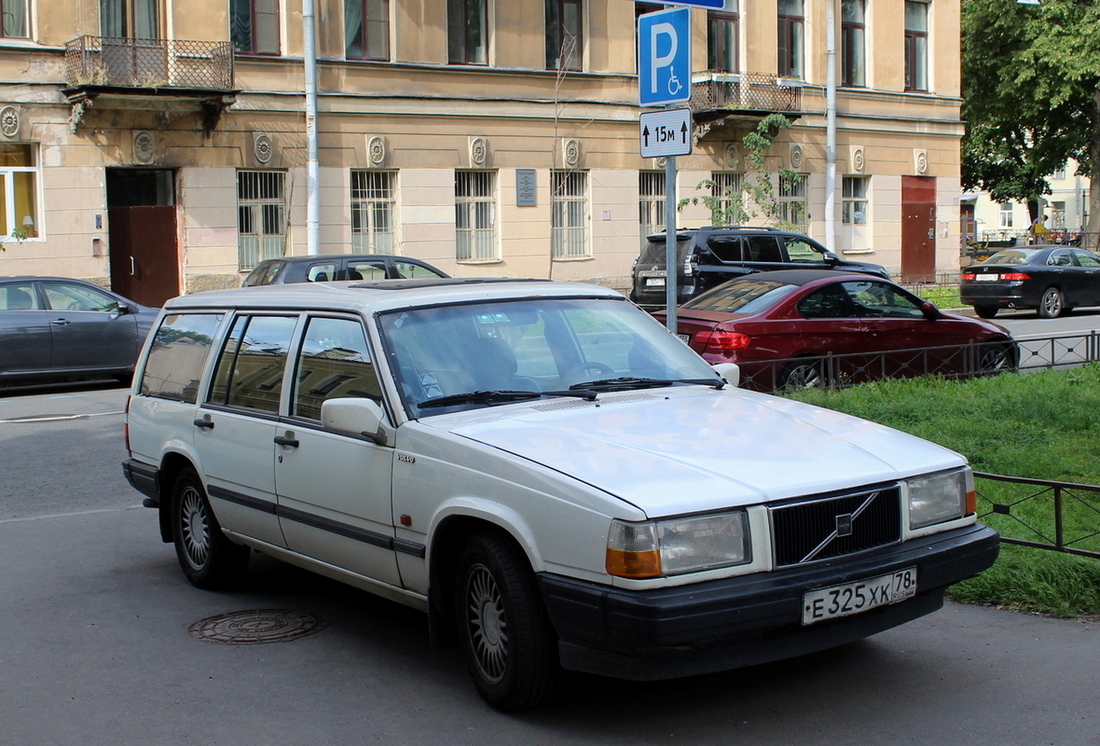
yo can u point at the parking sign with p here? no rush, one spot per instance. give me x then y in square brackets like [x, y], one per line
[664, 57]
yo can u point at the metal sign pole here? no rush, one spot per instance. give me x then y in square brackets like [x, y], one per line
[672, 270]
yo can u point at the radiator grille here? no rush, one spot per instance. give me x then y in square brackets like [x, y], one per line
[818, 529]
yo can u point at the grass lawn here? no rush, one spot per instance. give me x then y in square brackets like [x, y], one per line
[1041, 425]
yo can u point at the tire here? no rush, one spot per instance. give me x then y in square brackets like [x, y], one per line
[986, 312]
[1052, 304]
[208, 559]
[506, 637]
[996, 357]
[802, 374]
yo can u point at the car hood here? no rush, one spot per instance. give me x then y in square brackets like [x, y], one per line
[682, 450]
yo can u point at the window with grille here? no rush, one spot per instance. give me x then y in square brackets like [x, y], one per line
[728, 204]
[475, 216]
[854, 200]
[18, 191]
[261, 216]
[373, 205]
[792, 200]
[367, 29]
[651, 202]
[569, 215]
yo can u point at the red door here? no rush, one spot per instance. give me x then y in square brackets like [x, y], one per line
[918, 228]
[145, 260]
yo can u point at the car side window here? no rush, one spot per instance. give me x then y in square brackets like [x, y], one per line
[62, 296]
[176, 358]
[411, 271]
[19, 297]
[802, 251]
[828, 302]
[1085, 259]
[333, 362]
[321, 272]
[726, 248]
[878, 300]
[252, 361]
[366, 270]
[1060, 259]
[762, 249]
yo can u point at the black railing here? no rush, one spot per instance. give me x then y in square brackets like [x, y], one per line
[755, 92]
[115, 62]
[1041, 513]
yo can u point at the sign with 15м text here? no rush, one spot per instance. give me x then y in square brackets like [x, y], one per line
[664, 57]
[666, 132]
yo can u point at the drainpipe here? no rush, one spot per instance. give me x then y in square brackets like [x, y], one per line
[313, 199]
[830, 126]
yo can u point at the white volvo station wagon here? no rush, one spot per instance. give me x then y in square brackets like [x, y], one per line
[548, 473]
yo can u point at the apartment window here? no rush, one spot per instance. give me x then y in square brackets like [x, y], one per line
[792, 200]
[564, 34]
[18, 190]
[261, 216]
[1059, 173]
[15, 18]
[791, 42]
[651, 202]
[569, 215]
[254, 26]
[853, 207]
[128, 19]
[1057, 216]
[722, 39]
[372, 211]
[916, 45]
[475, 216]
[1006, 215]
[853, 40]
[367, 29]
[467, 32]
[727, 206]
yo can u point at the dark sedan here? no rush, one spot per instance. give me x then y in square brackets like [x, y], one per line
[326, 267]
[800, 328]
[1050, 279]
[56, 327]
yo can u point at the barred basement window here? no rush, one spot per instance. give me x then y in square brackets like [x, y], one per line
[261, 216]
[729, 206]
[475, 216]
[651, 202]
[373, 205]
[792, 200]
[569, 215]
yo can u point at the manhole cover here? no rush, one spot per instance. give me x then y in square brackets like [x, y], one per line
[256, 627]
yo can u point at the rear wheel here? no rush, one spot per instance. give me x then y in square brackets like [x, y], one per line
[506, 636]
[802, 374]
[207, 557]
[986, 312]
[1052, 304]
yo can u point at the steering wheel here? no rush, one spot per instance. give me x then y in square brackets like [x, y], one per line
[579, 372]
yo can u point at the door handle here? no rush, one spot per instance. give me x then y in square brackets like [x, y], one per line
[204, 423]
[60, 322]
[133, 267]
[288, 440]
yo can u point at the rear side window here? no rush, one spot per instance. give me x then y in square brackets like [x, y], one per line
[251, 365]
[333, 362]
[726, 248]
[762, 249]
[321, 272]
[177, 356]
[18, 297]
[366, 270]
[411, 271]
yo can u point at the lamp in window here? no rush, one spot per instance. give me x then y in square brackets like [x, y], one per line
[28, 226]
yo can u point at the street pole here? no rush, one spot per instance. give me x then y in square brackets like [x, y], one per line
[672, 270]
[830, 126]
[313, 196]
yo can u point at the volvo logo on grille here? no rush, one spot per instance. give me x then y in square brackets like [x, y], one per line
[844, 525]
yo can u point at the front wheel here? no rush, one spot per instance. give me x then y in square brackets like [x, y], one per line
[996, 357]
[506, 637]
[1052, 304]
[803, 374]
[986, 312]
[207, 557]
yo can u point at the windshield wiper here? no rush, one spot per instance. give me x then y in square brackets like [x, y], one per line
[500, 396]
[627, 382]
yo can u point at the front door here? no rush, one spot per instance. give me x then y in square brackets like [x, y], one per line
[146, 265]
[918, 228]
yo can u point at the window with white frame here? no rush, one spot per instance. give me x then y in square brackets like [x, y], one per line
[367, 29]
[916, 45]
[475, 216]
[15, 16]
[372, 211]
[791, 39]
[853, 209]
[261, 216]
[792, 200]
[722, 34]
[1057, 216]
[569, 215]
[18, 191]
[1059, 173]
[853, 45]
[728, 207]
[651, 202]
[1006, 214]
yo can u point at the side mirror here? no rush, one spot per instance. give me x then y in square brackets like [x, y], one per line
[831, 258]
[928, 308]
[730, 372]
[357, 416]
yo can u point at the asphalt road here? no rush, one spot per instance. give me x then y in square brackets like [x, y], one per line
[95, 613]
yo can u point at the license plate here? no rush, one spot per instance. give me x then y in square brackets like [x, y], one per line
[654, 282]
[986, 278]
[852, 598]
[684, 337]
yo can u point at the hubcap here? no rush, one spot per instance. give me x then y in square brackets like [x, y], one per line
[804, 377]
[1052, 302]
[487, 624]
[193, 527]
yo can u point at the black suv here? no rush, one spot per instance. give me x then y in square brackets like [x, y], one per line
[709, 256]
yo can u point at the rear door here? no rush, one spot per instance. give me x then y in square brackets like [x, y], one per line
[25, 335]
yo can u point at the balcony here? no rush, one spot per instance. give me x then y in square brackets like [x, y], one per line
[720, 97]
[137, 70]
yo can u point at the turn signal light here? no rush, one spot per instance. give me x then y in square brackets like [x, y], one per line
[971, 502]
[626, 564]
[720, 340]
[969, 276]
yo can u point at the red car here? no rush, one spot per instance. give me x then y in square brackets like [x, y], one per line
[803, 328]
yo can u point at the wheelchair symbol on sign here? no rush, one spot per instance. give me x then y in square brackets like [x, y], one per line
[674, 84]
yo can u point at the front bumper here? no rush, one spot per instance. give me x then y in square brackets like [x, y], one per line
[746, 620]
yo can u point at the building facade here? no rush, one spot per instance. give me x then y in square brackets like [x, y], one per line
[160, 147]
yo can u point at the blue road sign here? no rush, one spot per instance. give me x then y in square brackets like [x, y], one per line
[664, 57]
[719, 4]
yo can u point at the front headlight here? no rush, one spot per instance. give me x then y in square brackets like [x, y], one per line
[678, 545]
[935, 498]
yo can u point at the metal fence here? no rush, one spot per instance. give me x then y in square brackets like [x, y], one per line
[744, 92]
[148, 63]
[1041, 513]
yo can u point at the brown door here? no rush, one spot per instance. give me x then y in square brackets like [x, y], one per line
[146, 265]
[918, 228]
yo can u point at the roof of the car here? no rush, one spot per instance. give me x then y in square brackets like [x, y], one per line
[311, 258]
[806, 276]
[381, 295]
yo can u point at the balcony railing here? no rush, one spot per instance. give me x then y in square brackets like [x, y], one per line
[113, 62]
[745, 92]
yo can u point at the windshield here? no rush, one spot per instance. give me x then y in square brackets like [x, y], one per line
[742, 296]
[1011, 256]
[456, 357]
